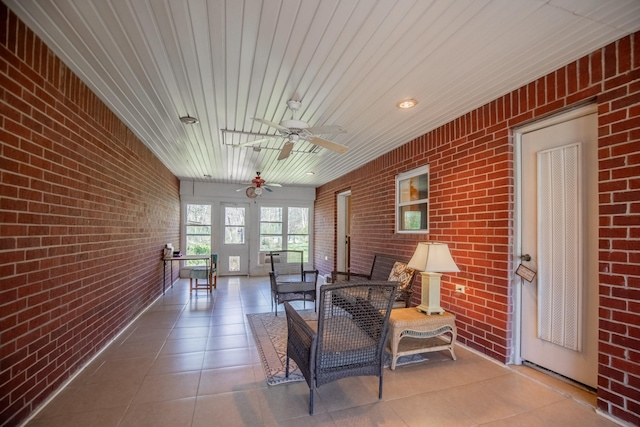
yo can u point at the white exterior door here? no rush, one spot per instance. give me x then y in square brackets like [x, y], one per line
[344, 231]
[233, 258]
[558, 195]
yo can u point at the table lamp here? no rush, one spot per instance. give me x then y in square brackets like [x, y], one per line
[431, 259]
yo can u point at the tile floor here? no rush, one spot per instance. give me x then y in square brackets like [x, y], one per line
[191, 361]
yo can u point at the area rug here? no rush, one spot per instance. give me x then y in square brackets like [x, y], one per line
[270, 334]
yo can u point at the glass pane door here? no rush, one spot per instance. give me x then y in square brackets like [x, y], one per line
[234, 256]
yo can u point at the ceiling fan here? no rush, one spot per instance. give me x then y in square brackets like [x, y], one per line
[254, 189]
[296, 130]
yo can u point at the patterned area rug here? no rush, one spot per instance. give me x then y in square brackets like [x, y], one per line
[270, 333]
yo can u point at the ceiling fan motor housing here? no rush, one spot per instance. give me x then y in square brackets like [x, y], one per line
[294, 104]
[294, 124]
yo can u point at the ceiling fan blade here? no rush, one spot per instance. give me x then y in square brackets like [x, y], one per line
[272, 184]
[319, 130]
[333, 146]
[286, 150]
[257, 141]
[267, 188]
[272, 124]
[243, 188]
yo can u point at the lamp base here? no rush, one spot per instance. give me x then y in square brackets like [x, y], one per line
[430, 303]
[430, 310]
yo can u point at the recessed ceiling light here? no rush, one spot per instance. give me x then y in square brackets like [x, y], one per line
[407, 103]
[310, 173]
[188, 120]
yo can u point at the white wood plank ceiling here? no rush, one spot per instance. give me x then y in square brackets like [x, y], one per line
[348, 61]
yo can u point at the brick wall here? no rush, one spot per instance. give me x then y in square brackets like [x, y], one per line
[85, 210]
[471, 163]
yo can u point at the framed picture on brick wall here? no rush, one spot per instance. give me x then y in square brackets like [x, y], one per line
[412, 201]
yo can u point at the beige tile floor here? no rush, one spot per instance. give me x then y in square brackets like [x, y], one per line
[191, 361]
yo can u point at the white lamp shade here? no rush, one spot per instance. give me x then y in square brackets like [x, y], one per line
[433, 257]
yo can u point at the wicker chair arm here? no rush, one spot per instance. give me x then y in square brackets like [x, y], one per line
[297, 326]
[301, 344]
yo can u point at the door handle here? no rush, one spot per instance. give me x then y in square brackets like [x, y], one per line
[525, 257]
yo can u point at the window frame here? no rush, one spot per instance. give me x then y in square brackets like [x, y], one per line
[187, 224]
[281, 222]
[242, 226]
[284, 228]
[306, 253]
[399, 204]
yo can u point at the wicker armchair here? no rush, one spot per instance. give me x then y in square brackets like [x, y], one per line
[289, 280]
[385, 267]
[352, 328]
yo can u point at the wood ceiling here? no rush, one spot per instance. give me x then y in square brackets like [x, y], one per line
[348, 61]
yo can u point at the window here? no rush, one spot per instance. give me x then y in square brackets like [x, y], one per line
[270, 229]
[412, 201]
[273, 235]
[298, 230]
[198, 231]
[234, 226]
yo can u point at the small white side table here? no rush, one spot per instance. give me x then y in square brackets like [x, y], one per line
[413, 332]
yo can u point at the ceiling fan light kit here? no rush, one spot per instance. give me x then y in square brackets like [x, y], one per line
[256, 187]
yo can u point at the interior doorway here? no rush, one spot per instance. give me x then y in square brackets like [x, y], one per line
[557, 245]
[343, 237]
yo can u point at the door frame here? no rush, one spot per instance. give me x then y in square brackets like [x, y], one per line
[515, 356]
[221, 236]
[341, 229]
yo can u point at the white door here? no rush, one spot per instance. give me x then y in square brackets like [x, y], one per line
[343, 245]
[233, 258]
[559, 232]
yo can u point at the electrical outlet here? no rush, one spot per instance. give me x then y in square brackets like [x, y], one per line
[460, 289]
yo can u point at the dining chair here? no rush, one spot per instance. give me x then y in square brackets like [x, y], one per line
[208, 272]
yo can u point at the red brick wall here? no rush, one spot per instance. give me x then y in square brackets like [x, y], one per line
[85, 210]
[619, 185]
[472, 194]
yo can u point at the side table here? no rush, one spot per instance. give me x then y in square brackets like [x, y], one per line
[413, 332]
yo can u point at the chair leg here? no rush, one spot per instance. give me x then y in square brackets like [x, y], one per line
[310, 400]
[191, 284]
[380, 388]
[213, 278]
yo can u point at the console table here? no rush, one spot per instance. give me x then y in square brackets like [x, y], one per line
[179, 258]
[413, 332]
